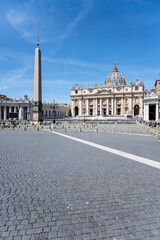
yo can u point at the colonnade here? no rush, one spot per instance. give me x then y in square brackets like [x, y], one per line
[23, 112]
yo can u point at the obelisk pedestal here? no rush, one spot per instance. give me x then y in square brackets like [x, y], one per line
[37, 97]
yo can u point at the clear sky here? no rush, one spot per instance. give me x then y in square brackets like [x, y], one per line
[79, 40]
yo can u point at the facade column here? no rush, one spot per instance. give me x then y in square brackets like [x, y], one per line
[96, 107]
[87, 104]
[130, 105]
[141, 107]
[112, 101]
[80, 107]
[115, 106]
[5, 113]
[132, 112]
[122, 106]
[107, 106]
[72, 109]
[101, 112]
[157, 112]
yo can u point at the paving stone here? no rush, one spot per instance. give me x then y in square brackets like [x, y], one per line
[55, 188]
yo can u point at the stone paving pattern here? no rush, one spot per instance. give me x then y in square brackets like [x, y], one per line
[55, 188]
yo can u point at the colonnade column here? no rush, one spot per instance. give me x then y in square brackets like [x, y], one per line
[21, 113]
[10, 110]
[146, 112]
[28, 114]
[107, 106]
[5, 113]
[101, 113]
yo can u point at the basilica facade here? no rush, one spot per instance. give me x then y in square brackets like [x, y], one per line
[114, 98]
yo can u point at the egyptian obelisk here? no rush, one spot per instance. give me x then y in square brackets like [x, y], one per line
[37, 97]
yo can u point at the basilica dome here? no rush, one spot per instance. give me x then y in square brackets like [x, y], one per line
[115, 78]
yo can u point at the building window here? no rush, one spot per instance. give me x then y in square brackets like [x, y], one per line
[46, 114]
[76, 91]
[110, 112]
[126, 89]
[91, 101]
[104, 111]
[91, 111]
[136, 100]
[126, 99]
[118, 100]
[98, 101]
[49, 113]
[76, 102]
[136, 88]
[104, 100]
[110, 101]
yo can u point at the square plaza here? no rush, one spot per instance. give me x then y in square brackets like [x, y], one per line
[56, 187]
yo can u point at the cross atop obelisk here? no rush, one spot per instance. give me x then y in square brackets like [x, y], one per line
[37, 97]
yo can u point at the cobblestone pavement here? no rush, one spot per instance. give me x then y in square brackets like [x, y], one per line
[56, 188]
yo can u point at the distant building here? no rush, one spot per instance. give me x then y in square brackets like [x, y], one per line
[55, 110]
[114, 98]
[152, 103]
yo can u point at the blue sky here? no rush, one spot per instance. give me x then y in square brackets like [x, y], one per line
[79, 40]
